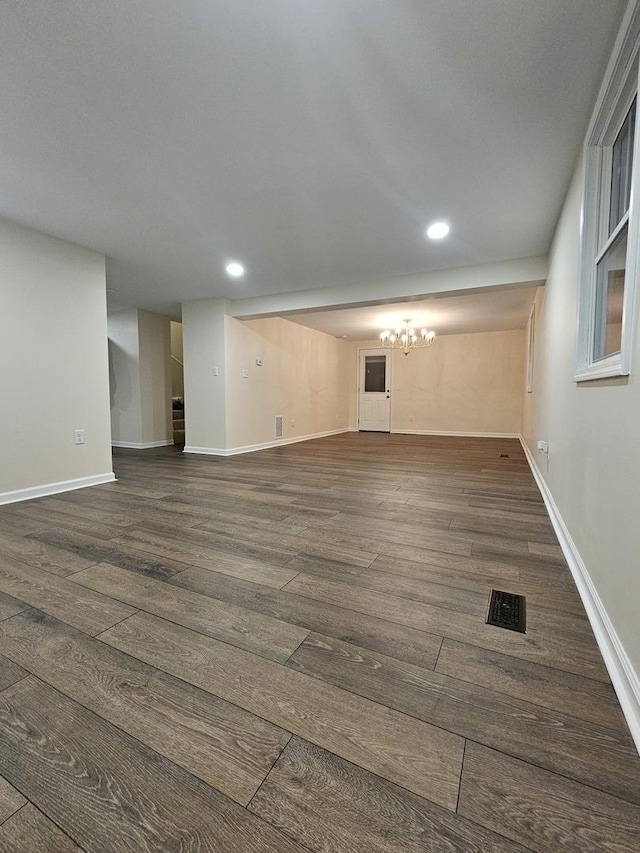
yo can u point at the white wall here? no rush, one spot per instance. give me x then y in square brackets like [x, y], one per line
[463, 383]
[593, 468]
[203, 326]
[140, 377]
[54, 368]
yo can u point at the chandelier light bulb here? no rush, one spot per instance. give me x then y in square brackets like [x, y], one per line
[407, 338]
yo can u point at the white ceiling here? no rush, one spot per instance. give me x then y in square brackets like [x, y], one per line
[491, 311]
[312, 139]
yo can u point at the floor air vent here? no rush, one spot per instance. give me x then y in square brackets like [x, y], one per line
[507, 610]
[504, 456]
[277, 426]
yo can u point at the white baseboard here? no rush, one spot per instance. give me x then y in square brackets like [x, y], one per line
[142, 445]
[454, 433]
[251, 448]
[623, 676]
[55, 488]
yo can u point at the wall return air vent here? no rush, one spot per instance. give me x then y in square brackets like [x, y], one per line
[277, 426]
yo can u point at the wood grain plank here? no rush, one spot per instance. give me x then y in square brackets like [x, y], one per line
[352, 537]
[109, 792]
[10, 672]
[536, 531]
[450, 566]
[415, 589]
[29, 831]
[105, 515]
[550, 552]
[552, 592]
[378, 634]
[420, 757]
[598, 756]
[333, 806]
[84, 609]
[580, 657]
[206, 556]
[264, 635]
[100, 551]
[11, 522]
[586, 698]
[218, 742]
[42, 555]
[549, 812]
[92, 525]
[10, 799]
[9, 606]
[195, 540]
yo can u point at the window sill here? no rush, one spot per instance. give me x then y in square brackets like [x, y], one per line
[604, 369]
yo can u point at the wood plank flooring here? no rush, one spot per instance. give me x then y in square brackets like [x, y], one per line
[286, 651]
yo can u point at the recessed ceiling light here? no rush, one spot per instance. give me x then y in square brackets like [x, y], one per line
[437, 230]
[234, 269]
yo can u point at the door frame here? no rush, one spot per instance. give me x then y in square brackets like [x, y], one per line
[373, 350]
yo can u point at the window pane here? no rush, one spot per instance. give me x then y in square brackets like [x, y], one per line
[609, 296]
[374, 373]
[621, 169]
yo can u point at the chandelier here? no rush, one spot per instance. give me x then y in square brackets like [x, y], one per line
[406, 338]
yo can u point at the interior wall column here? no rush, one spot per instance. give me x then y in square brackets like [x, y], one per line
[203, 332]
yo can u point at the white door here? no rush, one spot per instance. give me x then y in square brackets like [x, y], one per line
[374, 398]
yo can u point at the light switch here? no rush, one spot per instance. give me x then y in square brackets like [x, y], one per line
[245, 373]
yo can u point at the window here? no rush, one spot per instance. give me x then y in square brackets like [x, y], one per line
[610, 220]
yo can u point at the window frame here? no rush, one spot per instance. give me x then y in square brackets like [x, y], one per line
[620, 87]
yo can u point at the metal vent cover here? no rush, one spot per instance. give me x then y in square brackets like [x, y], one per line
[277, 426]
[507, 610]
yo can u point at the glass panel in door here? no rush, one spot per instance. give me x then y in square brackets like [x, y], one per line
[375, 367]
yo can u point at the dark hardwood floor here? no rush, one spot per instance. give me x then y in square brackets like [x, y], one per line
[286, 651]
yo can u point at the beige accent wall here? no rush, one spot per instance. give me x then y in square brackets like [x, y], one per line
[155, 377]
[140, 376]
[593, 467]
[463, 383]
[54, 366]
[306, 376]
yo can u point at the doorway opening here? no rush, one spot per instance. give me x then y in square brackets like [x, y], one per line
[177, 383]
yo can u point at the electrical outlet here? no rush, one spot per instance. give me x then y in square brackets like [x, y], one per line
[245, 373]
[78, 436]
[216, 371]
